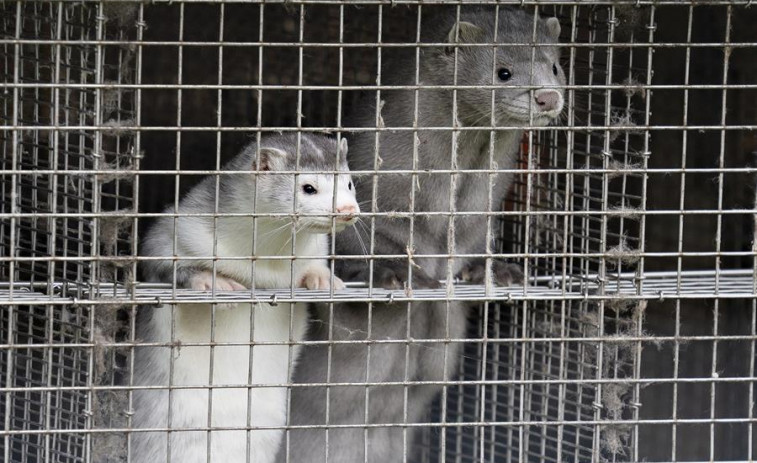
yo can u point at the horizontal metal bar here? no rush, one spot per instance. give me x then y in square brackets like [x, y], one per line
[391, 215]
[610, 339]
[659, 276]
[456, 382]
[610, 255]
[514, 255]
[509, 297]
[631, 170]
[571, 128]
[297, 87]
[434, 425]
[413, 45]
[323, 299]
[736, 3]
[714, 285]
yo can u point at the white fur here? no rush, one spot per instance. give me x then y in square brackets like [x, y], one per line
[242, 365]
[271, 365]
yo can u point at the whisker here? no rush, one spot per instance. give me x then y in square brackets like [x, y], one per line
[366, 228]
[289, 240]
[360, 240]
[275, 230]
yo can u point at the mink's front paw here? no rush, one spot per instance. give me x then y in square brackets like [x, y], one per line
[387, 274]
[503, 273]
[318, 277]
[394, 275]
[203, 281]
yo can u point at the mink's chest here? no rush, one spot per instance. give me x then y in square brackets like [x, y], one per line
[485, 188]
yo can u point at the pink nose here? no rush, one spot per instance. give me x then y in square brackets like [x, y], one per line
[547, 100]
[347, 210]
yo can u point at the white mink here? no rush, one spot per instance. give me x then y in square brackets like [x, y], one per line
[235, 365]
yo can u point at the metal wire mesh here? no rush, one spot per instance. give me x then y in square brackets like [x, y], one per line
[30, 205]
[632, 215]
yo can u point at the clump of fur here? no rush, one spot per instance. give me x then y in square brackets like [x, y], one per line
[633, 87]
[110, 408]
[115, 127]
[613, 399]
[549, 328]
[625, 212]
[619, 327]
[123, 13]
[112, 226]
[621, 123]
[108, 327]
[623, 319]
[110, 98]
[615, 438]
[622, 253]
[119, 271]
[621, 168]
[109, 411]
[118, 166]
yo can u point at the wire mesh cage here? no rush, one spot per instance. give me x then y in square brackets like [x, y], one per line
[632, 337]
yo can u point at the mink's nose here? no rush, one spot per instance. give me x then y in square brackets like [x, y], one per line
[548, 100]
[348, 210]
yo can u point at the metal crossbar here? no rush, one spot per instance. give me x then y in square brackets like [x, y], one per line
[727, 284]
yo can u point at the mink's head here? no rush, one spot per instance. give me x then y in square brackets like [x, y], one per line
[528, 80]
[315, 194]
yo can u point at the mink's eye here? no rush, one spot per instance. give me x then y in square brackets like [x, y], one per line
[309, 189]
[504, 74]
[349, 186]
[554, 69]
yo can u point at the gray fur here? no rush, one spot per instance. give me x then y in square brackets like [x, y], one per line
[417, 361]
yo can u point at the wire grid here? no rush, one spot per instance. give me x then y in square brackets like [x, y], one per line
[547, 233]
[58, 192]
[573, 418]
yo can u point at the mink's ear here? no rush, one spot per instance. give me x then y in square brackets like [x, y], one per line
[342, 151]
[463, 32]
[269, 159]
[553, 26]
